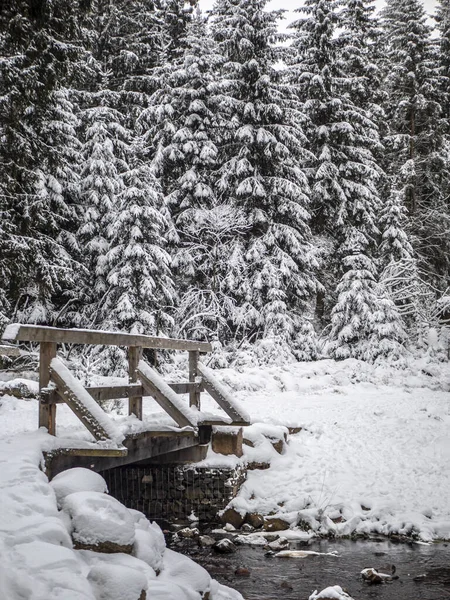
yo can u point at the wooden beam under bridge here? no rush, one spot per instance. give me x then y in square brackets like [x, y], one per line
[140, 446]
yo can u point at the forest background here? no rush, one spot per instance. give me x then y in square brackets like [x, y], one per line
[285, 196]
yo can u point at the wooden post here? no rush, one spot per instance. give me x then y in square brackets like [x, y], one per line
[194, 393]
[134, 402]
[47, 410]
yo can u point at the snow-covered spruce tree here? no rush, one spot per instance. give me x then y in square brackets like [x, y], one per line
[38, 155]
[140, 290]
[443, 56]
[415, 141]
[262, 160]
[104, 162]
[331, 71]
[399, 272]
[181, 118]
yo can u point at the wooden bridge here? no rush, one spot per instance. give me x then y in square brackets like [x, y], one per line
[112, 448]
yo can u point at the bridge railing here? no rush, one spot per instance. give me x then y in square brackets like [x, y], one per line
[143, 379]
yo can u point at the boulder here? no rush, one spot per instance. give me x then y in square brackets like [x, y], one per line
[113, 582]
[204, 541]
[275, 524]
[230, 515]
[188, 533]
[99, 522]
[254, 519]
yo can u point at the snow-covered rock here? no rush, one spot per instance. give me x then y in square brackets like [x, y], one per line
[334, 592]
[117, 582]
[77, 480]
[100, 522]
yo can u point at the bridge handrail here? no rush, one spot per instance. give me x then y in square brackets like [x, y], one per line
[40, 333]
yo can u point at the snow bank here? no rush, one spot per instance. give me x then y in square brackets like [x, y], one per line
[38, 558]
[372, 455]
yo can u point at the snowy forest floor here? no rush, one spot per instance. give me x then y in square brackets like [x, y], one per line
[372, 455]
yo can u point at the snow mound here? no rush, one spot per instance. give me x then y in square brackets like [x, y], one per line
[186, 572]
[334, 592]
[149, 545]
[98, 518]
[77, 480]
[116, 582]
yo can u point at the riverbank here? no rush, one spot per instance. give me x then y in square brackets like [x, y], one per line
[372, 455]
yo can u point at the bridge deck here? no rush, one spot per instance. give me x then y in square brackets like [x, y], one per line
[136, 447]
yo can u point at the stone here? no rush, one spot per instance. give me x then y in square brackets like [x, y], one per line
[255, 520]
[294, 430]
[227, 440]
[242, 572]
[224, 547]
[248, 443]
[204, 541]
[286, 586]
[278, 445]
[230, 515]
[275, 524]
[280, 544]
[188, 533]
[247, 528]
[104, 547]
[261, 466]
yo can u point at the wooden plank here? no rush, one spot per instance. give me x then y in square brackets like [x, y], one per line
[70, 397]
[156, 387]
[47, 411]
[9, 351]
[38, 333]
[221, 396]
[194, 394]
[186, 387]
[134, 402]
[113, 392]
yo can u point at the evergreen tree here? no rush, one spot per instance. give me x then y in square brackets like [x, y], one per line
[181, 119]
[332, 72]
[443, 56]
[104, 162]
[140, 289]
[262, 160]
[415, 142]
[38, 154]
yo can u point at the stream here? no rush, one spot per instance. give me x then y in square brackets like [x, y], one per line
[272, 578]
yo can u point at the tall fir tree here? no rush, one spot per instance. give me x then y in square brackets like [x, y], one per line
[332, 68]
[262, 174]
[415, 141]
[38, 155]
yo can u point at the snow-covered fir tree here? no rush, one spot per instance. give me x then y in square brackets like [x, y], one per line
[262, 160]
[140, 289]
[332, 71]
[442, 18]
[181, 118]
[38, 155]
[415, 141]
[104, 162]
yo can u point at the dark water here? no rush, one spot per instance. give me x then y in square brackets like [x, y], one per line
[296, 578]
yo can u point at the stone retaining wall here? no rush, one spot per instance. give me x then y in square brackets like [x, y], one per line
[173, 492]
